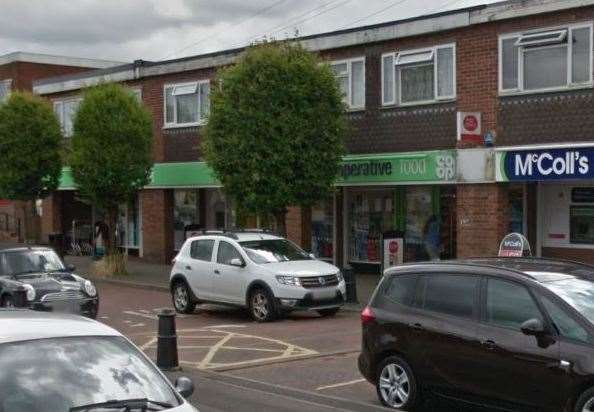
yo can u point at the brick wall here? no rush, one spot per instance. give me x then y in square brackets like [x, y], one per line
[157, 225]
[483, 219]
[51, 218]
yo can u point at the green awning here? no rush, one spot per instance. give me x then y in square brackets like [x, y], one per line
[164, 176]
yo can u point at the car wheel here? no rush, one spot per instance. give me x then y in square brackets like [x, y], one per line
[396, 384]
[328, 312]
[182, 297]
[262, 306]
[7, 301]
[585, 403]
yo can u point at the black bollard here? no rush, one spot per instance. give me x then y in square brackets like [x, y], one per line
[19, 297]
[167, 341]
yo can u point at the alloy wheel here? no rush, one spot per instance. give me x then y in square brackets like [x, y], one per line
[394, 385]
[180, 296]
[260, 305]
[589, 406]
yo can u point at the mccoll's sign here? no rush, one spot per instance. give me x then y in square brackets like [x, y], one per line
[545, 164]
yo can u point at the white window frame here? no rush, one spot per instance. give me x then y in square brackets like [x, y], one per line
[568, 29]
[61, 118]
[169, 125]
[6, 82]
[348, 99]
[397, 81]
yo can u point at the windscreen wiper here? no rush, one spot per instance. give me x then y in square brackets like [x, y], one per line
[142, 404]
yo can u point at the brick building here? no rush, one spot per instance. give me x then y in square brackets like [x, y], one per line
[466, 125]
[18, 71]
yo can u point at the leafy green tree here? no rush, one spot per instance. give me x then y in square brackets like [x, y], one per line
[275, 132]
[30, 152]
[111, 156]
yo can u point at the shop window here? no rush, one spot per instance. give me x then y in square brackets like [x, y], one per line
[128, 225]
[546, 60]
[350, 75]
[187, 104]
[65, 111]
[185, 213]
[581, 226]
[322, 230]
[5, 87]
[419, 76]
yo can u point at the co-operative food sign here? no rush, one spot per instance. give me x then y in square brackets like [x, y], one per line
[546, 164]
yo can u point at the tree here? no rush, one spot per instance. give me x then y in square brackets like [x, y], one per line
[30, 152]
[275, 131]
[111, 156]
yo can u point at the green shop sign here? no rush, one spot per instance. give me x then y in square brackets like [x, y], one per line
[432, 166]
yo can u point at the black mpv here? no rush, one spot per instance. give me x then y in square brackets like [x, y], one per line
[505, 333]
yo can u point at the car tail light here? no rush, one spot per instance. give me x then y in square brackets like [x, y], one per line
[367, 316]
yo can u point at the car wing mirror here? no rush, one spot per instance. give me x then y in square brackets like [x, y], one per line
[236, 262]
[533, 327]
[184, 386]
[312, 256]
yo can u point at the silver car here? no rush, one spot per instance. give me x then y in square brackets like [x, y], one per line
[67, 363]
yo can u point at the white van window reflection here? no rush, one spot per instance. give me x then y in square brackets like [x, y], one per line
[59, 374]
[579, 293]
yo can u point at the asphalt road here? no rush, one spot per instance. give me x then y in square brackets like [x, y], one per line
[303, 362]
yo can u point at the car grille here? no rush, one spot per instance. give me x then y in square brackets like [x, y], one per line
[63, 295]
[323, 281]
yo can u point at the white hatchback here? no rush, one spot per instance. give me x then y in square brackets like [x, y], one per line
[267, 274]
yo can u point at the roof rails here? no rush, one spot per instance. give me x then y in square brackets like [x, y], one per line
[232, 233]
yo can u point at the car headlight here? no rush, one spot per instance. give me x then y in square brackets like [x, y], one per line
[339, 276]
[30, 292]
[90, 289]
[289, 280]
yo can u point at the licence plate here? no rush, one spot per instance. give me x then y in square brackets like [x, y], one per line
[322, 294]
[65, 307]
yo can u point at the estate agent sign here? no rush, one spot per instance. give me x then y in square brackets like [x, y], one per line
[545, 164]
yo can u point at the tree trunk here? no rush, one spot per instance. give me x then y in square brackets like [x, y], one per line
[280, 217]
[110, 239]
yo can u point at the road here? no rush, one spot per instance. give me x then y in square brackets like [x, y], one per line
[303, 362]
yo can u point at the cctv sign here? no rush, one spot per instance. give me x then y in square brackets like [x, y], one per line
[542, 165]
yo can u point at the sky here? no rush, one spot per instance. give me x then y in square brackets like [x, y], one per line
[126, 30]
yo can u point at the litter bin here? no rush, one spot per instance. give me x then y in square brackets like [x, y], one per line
[56, 241]
[351, 284]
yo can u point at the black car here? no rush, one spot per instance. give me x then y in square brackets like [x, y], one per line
[503, 333]
[49, 284]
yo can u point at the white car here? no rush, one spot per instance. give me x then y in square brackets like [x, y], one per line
[257, 270]
[67, 363]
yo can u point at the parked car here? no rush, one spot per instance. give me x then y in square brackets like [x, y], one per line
[506, 333]
[50, 285]
[66, 363]
[257, 270]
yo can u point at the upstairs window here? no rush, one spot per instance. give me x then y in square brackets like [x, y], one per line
[187, 104]
[546, 59]
[419, 76]
[351, 80]
[65, 111]
[5, 86]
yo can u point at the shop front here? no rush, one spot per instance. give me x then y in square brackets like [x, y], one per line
[558, 192]
[408, 195]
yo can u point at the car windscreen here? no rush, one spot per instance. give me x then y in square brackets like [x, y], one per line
[62, 373]
[273, 251]
[27, 261]
[577, 292]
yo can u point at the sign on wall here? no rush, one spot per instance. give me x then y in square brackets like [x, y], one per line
[545, 164]
[469, 127]
[432, 166]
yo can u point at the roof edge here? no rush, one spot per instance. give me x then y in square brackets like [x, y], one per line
[57, 60]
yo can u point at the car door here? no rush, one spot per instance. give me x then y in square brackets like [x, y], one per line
[512, 367]
[199, 268]
[229, 281]
[447, 331]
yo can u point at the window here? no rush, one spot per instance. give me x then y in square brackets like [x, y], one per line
[581, 225]
[419, 76]
[564, 322]
[546, 59]
[5, 87]
[186, 214]
[509, 304]
[402, 289]
[202, 249]
[351, 79]
[227, 253]
[451, 295]
[65, 111]
[187, 104]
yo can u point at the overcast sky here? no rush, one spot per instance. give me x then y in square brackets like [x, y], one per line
[126, 30]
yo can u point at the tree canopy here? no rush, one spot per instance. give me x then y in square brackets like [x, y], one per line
[30, 148]
[275, 132]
